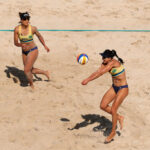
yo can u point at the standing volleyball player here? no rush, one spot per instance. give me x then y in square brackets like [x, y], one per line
[117, 92]
[24, 33]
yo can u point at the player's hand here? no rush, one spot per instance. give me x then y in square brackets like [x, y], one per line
[84, 82]
[47, 49]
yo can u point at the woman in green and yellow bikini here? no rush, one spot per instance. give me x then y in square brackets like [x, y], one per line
[117, 92]
[24, 33]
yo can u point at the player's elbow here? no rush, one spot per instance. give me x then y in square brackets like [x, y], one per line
[15, 43]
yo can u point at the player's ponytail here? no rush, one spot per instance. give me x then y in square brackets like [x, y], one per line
[114, 53]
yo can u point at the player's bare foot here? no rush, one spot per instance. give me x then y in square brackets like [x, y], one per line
[32, 86]
[121, 119]
[47, 74]
[110, 137]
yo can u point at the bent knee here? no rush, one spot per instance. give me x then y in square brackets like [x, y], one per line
[33, 71]
[102, 106]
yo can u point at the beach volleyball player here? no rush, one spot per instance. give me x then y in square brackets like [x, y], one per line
[117, 92]
[24, 33]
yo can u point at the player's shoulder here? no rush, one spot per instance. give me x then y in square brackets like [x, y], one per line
[16, 28]
[33, 27]
[115, 63]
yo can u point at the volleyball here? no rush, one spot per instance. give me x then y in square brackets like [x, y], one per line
[82, 59]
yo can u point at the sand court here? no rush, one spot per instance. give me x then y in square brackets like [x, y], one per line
[42, 119]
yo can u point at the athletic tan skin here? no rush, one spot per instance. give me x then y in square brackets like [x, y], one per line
[30, 59]
[110, 95]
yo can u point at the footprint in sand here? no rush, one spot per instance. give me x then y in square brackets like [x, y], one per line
[57, 86]
[137, 43]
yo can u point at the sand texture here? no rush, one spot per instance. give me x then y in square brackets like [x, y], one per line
[61, 114]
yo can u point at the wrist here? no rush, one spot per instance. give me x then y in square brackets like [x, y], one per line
[87, 79]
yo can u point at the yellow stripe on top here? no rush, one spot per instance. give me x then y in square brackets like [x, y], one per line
[117, 71]
[26, 38]
[84, 59]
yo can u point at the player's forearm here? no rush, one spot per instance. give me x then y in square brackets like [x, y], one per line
[42, 40]
[94, 75]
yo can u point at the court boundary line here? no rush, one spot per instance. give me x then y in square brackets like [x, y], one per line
[81, 30]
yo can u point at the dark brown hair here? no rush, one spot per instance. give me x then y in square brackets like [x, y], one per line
[24, 16]
[110, 54]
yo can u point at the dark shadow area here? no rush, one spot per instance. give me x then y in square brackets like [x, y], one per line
[17, 74]
[37, 78]
[105, 125]
[64, 119]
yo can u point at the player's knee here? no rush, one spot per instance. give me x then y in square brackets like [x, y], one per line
[102, 106]
[33, 71]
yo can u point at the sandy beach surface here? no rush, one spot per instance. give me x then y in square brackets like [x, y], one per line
[62, 114]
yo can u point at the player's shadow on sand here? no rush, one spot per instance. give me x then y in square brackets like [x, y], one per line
[105, 125]
[17, 74]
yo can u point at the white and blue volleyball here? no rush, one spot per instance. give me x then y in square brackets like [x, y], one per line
[82, 59]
